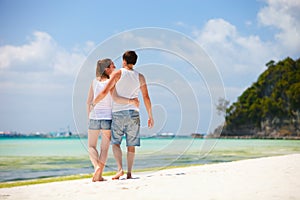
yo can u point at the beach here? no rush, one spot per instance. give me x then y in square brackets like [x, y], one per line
[265, 178]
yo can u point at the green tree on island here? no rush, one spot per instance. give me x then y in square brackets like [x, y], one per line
[270, 107]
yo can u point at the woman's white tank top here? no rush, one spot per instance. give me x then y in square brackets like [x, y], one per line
[103, 109]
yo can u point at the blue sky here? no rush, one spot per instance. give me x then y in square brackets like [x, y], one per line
[43, 45]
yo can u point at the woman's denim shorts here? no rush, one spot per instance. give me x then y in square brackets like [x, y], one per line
[100, 124]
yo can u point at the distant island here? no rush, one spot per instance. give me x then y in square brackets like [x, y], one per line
[269, 108]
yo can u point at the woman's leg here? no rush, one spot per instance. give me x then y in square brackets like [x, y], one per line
[105, 143]
[93, 153]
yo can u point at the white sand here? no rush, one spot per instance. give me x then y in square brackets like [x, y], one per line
[256, 179]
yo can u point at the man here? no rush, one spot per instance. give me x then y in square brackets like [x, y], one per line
[127, 83]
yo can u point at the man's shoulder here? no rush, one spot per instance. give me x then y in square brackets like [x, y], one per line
[140, 74]
[141, 78]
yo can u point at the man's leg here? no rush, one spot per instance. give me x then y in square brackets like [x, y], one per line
[132, 139]
[130, 159]
[117, 128]
[118, 157]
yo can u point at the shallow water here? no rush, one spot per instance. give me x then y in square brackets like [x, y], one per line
[28, 158]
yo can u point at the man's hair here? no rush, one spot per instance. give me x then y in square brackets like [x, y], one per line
[130, 57]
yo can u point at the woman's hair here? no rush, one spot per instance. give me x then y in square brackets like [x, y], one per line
[101, 66]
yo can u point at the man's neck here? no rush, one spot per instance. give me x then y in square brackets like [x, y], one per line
[128, 67]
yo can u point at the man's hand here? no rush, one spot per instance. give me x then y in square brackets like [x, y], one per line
[150, 122]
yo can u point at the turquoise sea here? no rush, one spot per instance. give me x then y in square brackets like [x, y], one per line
[29, 158]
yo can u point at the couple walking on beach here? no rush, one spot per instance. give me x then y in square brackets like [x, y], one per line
[113, 110]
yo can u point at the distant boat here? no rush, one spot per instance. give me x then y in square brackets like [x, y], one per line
[165, 135]
[197, 135]
[62, 133]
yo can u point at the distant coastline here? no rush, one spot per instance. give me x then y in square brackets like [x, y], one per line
[210, 136]
[35, 135]
[260, 138]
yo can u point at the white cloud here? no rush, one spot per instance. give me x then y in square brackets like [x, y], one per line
[217, 30]
[41, 48]
[42, 53]
[89, 46]
[67, 63]
[242, 58]
[233, 53]
[84, 49]
[42, 65]
[283, 15]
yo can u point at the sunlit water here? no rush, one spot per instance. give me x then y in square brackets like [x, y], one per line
[28, 158]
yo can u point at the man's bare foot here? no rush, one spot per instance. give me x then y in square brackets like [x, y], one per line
[96, 176]
[118, 175]
[129, 175]
[102, 179]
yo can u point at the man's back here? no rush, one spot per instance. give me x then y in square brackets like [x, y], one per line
[128, 86]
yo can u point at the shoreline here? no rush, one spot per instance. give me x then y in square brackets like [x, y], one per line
[43, 180]
[17, 183]
[275, 177]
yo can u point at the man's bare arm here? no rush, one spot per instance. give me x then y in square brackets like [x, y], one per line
[147, 101]
[111, 83]
[110, 87]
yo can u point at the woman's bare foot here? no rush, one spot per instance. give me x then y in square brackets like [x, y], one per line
[118, 175]
[129, 175]
[96, 176]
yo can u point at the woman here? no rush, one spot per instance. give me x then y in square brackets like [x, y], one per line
[100, 116]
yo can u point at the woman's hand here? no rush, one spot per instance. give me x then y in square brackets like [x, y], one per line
[92, 105]
[135, 102]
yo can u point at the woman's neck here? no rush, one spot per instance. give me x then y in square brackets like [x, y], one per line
[101, 79]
